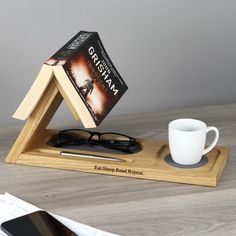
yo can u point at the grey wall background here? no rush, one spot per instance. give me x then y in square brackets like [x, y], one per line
[171, 53]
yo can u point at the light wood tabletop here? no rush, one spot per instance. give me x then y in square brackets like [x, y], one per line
[128, 206]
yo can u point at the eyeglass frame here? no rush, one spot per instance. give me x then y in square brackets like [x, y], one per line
[132, 141]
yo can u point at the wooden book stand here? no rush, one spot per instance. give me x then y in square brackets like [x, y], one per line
[31, 148]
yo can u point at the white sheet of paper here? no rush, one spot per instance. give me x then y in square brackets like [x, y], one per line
[12, 207]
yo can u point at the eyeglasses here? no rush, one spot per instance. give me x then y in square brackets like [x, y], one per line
[108, 140]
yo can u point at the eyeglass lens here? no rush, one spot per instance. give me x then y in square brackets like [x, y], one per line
[106, 139]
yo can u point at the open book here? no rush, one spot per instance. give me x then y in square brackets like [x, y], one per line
[85, 76]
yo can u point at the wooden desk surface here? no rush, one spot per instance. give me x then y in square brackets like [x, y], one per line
[128, 206]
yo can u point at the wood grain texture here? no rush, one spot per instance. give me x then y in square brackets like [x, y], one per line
[128, 206]
[148, 163]
[74, 99]
[35, 93]
[37, 122]
[67, 100]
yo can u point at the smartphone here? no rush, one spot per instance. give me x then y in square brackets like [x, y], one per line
[38, 223]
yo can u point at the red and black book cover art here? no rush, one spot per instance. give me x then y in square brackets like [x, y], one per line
[93, 75]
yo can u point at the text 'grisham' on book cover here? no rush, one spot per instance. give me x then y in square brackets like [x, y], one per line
[92, 73]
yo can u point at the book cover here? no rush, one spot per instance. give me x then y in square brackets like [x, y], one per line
[92, 73]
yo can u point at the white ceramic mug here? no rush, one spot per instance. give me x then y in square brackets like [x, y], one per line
[187, 139]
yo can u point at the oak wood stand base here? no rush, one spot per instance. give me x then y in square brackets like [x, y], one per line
[30, 148]
[149, 163]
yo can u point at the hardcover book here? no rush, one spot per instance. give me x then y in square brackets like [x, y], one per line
[86, 75]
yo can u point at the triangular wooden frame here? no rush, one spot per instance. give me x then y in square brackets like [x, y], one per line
[31, 148]
[37, 121]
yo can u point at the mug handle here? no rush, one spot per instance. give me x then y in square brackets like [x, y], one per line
[208, 129]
